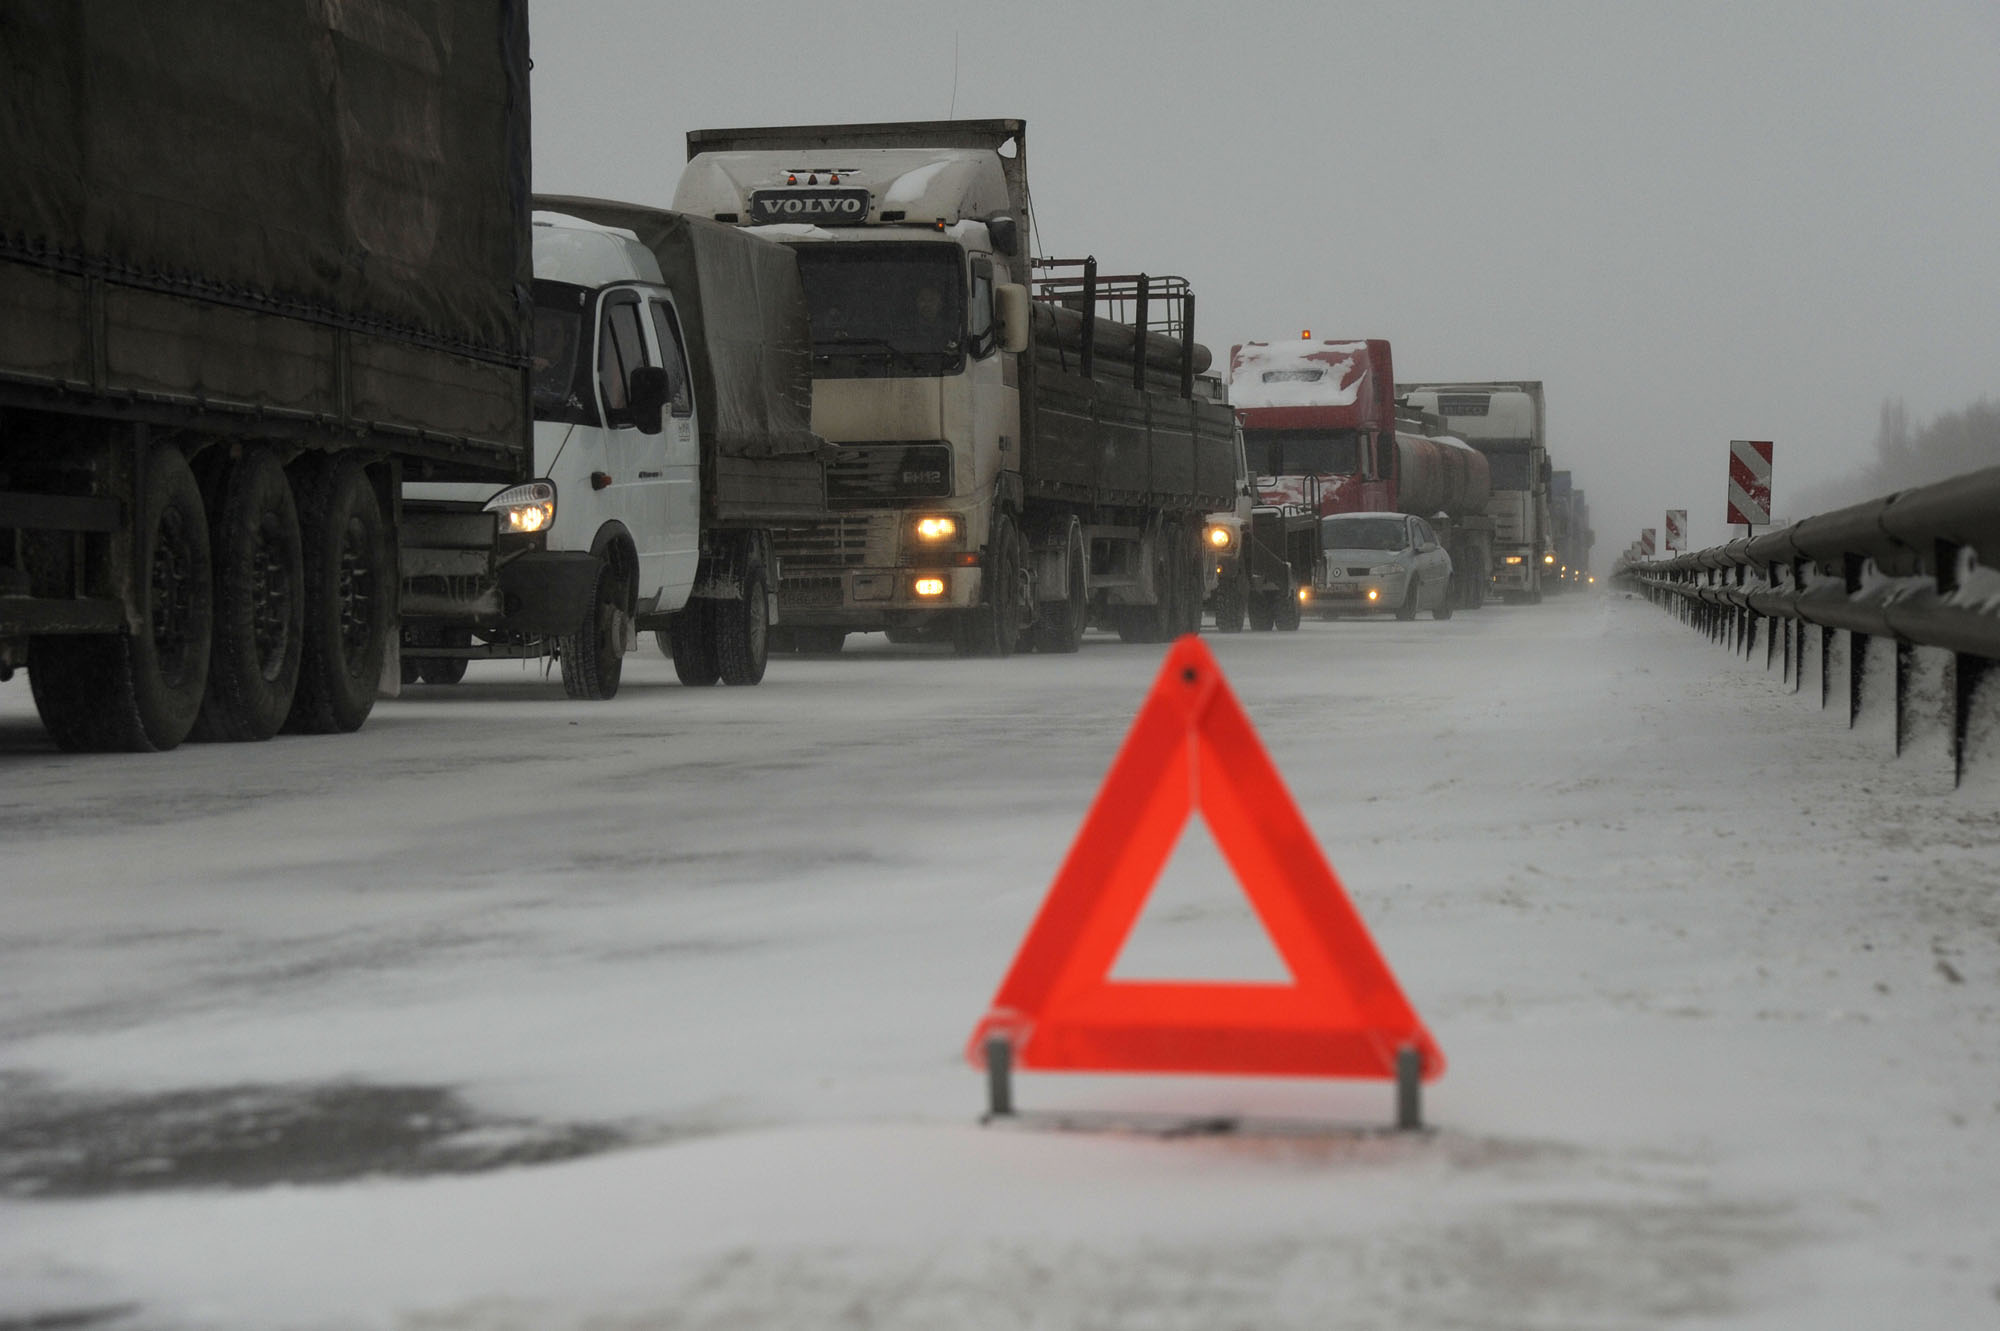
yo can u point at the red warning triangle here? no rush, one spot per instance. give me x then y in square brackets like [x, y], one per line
[1192, 747]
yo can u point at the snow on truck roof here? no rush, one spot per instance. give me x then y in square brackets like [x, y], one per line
[1297, 374]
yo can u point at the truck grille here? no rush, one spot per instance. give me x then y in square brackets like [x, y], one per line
[890, 471]
[1463, 404]
[841, 543]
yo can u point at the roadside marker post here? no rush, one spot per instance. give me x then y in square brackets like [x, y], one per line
[1193, 750]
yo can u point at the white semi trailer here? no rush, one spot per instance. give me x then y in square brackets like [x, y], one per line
[1507, 422]
[1017, 456]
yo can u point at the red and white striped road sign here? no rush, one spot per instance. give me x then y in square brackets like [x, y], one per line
[1677, 528]
[1646, 542]
[1749, 482]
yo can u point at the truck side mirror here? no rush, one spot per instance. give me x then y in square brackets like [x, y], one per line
[647, 391]
[1006, 237]
[1010, 303]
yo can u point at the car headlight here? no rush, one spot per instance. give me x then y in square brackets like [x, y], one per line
[1385, 570]
[525, 509]
[1219, 537]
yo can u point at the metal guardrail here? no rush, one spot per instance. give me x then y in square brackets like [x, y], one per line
[1920, 567]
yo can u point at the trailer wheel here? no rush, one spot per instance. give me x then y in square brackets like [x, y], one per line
[253, 664]
[140, 692]
[593, 657]
[349, 596]
[1060, 627]
[994, 626]
[742, 628]
[689, 638]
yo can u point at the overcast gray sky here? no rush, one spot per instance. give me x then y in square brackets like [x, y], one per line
[1693, 221]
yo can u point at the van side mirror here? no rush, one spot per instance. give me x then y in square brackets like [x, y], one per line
[647, 391]
[1010, 306]
[1006, 237]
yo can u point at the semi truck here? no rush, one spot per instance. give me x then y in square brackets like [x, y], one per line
[1023, 447]
[1326, 435]
[252, 274]
[1507, 422]
[1569, 527]
[672, 428]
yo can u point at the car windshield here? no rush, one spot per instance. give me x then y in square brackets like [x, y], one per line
[1303, 452]
[884, 310]
[1365, 534]
[561, 376]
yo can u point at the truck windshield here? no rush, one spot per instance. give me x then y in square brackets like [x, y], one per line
[562, 376]
[884, 310]
[1364, 534]
[1303, 452]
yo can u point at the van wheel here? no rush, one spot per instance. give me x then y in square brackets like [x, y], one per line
[348, 596]
[141, 692]
[742, 631]
[592, 657]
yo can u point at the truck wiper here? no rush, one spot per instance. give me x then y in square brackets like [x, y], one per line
[865, 345]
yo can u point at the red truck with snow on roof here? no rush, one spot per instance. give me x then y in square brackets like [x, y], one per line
[1322, 432]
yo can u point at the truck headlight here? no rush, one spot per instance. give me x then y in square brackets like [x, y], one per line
[525, 508]
[1513, 559]
[935, 528]
[1548, 559]
[1220, 537]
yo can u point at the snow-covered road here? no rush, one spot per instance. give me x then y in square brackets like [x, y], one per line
[512, 1012]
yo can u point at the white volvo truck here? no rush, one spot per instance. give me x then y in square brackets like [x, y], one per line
[1506, 422]
[1016, 456]
[672, 406]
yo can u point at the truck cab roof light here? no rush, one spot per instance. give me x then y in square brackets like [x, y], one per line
[791, 179]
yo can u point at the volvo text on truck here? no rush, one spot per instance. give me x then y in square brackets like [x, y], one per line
[673, 405]
[251, 273]
[1022, 448]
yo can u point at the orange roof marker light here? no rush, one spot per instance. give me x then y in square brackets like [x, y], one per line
[1192, 748]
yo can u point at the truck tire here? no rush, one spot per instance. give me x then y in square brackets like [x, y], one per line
[349, 595]
[593, 658]
[993, 627]
[1232, 600]
[1193, 581]
[689, 638]
[742, 629]
[1059, 627]
[253, 664]
[140, 692]
[1286, 612]
[1263, 611]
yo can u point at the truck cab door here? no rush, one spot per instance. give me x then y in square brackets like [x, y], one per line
[679, 536]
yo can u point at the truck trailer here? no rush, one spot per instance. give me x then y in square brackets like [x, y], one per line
[673, 405]
[1325, 435]
[1507, 422]
[1023, 447]
[252, 273]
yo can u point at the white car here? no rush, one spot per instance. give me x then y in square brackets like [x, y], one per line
[1375, 562]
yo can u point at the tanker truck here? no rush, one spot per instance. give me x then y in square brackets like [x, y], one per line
[1506, 422]
[1022, 448]
[1323, 431]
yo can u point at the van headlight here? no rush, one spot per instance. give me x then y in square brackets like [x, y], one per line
[525, 509]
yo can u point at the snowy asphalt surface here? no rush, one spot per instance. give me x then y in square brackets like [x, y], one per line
[512, 1012]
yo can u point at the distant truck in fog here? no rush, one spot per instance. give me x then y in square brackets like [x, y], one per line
[1505, 421]
[1324, 435]
[1015, 456]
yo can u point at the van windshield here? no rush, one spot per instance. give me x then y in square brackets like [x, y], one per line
[561, 386]
[1364, 534]
[890, 310]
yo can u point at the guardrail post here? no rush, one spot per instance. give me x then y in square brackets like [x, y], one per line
[1902, 691]
[1825, 665]
[1770, 644]
[1967, 671]
[1857, 667]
